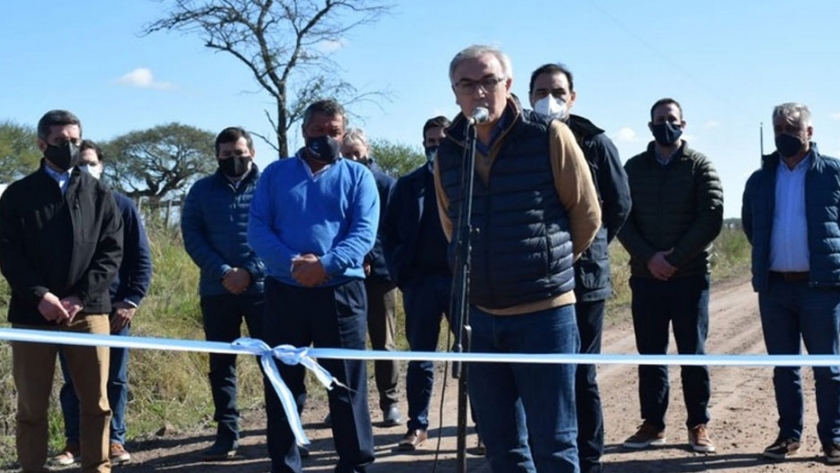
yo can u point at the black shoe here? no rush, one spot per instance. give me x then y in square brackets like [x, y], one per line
[303, 451]
[782, 448]
[220, 451]
[832, 453]
[391, 417]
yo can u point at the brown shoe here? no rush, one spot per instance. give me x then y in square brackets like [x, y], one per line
[118, 454]
[647, 435]
[412, 440]
[699, 440]
[70, 455]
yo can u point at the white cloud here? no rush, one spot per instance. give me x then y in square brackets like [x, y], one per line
[712, 124]
[143, 78]
[835, 116]
[625, 135]
[331, 46]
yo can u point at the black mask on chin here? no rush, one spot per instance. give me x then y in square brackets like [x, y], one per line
[325, 149]
[235, 166]
[64, 156]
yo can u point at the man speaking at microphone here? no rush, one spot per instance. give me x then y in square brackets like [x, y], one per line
[534, 211]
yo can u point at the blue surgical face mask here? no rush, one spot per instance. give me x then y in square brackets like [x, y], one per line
[431, 153]
[788, 146]
[325, 149]
[666, 133]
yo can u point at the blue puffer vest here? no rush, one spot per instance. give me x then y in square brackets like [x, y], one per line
[822, 207]
[522, 248]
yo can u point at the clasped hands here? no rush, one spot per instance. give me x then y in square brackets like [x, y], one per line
[60, 311]
[659, 266]
[308, 271]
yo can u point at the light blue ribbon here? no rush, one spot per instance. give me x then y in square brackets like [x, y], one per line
[306, 356]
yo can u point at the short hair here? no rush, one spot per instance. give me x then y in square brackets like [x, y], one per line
[232, 134]
[355, 135]
[666, 101]
[56, 118]
[553, 68]
[329, 107]
[476, 51]
[88, 144]
[438, 122]
[793, 113]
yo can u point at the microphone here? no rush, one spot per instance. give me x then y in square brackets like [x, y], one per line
[478, 115]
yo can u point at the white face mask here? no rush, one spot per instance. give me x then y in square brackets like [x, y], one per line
[92, 169]
[551, 106]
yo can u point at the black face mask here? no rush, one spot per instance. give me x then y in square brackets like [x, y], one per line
[788, 145]
[63, 157]
[325, 149]
[666, 133]
[234, 167]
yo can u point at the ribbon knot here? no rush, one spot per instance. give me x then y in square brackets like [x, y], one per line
[291, 356]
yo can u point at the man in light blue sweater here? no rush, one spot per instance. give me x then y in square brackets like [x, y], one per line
[313, 219]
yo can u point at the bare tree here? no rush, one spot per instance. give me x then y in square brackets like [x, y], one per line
[285, 44]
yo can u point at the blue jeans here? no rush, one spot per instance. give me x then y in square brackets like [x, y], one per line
[425, 301]
[792, 312]
[590, 416]
[325, 317]
[683, 303]
[117, 394]
[515, 400]
[223, 315]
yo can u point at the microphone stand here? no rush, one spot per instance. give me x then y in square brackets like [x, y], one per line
[460, 302]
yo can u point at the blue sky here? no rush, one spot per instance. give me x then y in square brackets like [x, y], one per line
[728, 63]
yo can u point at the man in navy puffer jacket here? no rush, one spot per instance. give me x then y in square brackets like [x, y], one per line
[790, 216]
[214, 225]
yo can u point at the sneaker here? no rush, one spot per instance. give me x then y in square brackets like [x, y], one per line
[832, 454]
[391, 417]
[648, 435]
[782, 448]
[118, 454]
[70, 455]
[699, 440]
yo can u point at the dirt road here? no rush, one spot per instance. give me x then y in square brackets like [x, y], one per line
[742, 406]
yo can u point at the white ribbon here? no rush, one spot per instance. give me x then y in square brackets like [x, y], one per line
[305, 356]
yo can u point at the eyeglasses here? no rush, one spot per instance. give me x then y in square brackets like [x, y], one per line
[468, 87]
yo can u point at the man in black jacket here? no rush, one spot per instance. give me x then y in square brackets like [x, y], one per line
[415, 250]
[552, 95]
[61, 241]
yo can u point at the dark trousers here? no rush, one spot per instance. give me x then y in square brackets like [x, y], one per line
[590, 440]
[326, 317]
[381, 324]
[683, 303]
[223, 316]
[792, 313]
[426, 299]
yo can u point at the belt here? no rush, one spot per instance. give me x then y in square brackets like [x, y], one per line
[790, 276]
